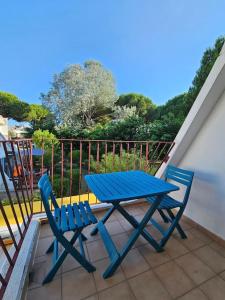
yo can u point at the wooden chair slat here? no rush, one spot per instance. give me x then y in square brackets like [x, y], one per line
[77, 215]
[84, 214]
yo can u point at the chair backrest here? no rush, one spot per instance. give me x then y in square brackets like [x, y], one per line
[182, 176]
[46, 194]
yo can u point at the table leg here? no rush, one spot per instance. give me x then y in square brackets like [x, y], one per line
[136, 224]
[134, 236]
[104, 219]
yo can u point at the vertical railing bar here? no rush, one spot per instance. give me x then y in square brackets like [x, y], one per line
[25, 179]
[62, 171]
[106, 153]
[8, 225]
[6, 252]
[52, 171]
[113, 156]
[134, 167]
[71, 170]
[128, 151]
[158, 158]
[3, 282]
[80, 169]
[146, 157]
[140, 165]
[29, 166]
[27, 169]
[42, 157]
[15, 189]
[89, 166]
[97, 157]
[121, 153]
[21, 187]
[31, 169]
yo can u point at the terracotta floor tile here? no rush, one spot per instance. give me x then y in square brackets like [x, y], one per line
[195, 268]
[70, 263]
[45, 231]
[174, 248]
[126, 225]
[43, 245]
[147, 286]
[202, 236]
[192, 242]
[102, 283]
[212, 258]
[77, 284]
[174, 279]
[134, 210]
[154, 258]
[118, 292]
[214, 288]
[120, 240]
[94, 297]
[100, 215]
[96, 250]
[50, 291]
[195, 294]
[134, 263]
[220, 249]
[87, 232]
[114, 227]
[40, 269]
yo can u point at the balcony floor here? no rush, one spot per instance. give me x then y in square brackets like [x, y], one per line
[191, 269]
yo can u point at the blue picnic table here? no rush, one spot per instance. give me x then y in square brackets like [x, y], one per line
[118, 187]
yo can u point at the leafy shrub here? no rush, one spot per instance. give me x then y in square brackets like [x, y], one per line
[115, 162]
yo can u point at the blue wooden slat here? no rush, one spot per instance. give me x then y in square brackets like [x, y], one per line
[83, 214]
[187, 183]
[72, 225]
[90, 214]
[57, 217]
[180, 175]
[170, 167]
[77, 216]
[109, 245]
[64, 225]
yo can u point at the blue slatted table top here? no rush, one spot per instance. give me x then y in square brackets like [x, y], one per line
[122, 186]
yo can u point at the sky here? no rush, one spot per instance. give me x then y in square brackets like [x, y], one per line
[151, 47]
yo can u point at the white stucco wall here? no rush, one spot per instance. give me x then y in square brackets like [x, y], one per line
[200, 146]
[206, 156]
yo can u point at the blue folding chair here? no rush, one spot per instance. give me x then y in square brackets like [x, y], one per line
[167, 204]
[67, 218]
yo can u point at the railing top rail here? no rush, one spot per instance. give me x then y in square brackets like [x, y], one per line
[90, 140]
[116, 141]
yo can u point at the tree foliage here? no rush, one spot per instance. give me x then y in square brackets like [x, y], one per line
[13, 108]
[144, 105]
[45, 138]
[80, 94]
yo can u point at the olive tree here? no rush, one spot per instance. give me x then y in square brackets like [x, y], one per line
[78, 93]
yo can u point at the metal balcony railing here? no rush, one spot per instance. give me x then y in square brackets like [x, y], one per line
[67, 162]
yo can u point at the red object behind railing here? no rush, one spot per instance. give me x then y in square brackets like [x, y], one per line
[66, 162]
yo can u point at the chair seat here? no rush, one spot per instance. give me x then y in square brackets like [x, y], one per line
[74, 216]
[167, 202]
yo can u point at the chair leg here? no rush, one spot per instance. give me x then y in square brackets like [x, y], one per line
[164, 217]
[179, 228]
[103, 220]
[84, 238]
[50, 248]
[69, 249]
[173, 225]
